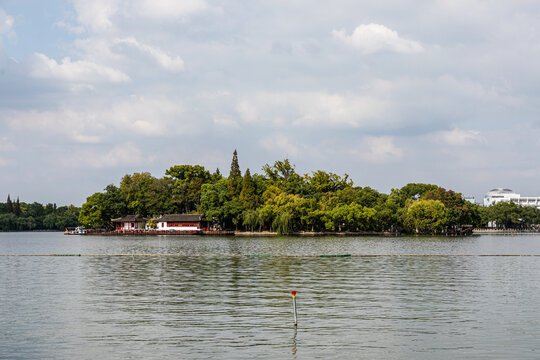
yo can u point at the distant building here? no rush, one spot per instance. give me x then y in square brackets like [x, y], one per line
[470, 199]
[180, 222]
[506, 195]
[130, 223]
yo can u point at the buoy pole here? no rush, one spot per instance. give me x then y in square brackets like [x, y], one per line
[293, 293]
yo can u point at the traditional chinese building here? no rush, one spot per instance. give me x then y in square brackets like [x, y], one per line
[181, 222]
[130, 223]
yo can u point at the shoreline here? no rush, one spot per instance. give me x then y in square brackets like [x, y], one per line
[504, 232]
[315, 233]
[293, 234]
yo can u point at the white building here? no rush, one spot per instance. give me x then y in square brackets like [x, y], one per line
[506, 195]
[180, 222]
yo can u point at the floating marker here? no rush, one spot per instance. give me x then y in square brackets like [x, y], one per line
[293, 293]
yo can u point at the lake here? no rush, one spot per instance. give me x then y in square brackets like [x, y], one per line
[229, 298]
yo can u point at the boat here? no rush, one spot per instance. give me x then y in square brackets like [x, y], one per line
[79, 230]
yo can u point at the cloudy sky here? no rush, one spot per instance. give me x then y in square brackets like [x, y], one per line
[390, 92]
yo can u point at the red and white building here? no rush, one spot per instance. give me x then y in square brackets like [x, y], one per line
[130, 223]
[180, 222]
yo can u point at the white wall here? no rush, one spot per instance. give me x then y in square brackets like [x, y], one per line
[163, 226]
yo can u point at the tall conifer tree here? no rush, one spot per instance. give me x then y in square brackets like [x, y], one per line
[248, 194]
[9, 205]
[17, 208]
[235, 176]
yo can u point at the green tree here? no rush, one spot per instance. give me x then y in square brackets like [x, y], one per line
[159, 197]
[92, 214]
[49, 221]
[267, 213]
[459, 211]
[189, 180]
[112, 205]
[213, 199]
[216, 176]
[133, 187]
[390, 213]
[324, 182]
[283, 175]
[283, 223]
[8, 222]
[248, 195]
[250, 219]
[415, 190]
[232, 213]
[17, 208]
[505, 214]
[425, 216]
[9, 205]
[529, 215]
[67, 216]
[235, 176]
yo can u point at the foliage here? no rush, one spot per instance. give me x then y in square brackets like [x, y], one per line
[284, 201]
[508, 215]
[459, 211]
[188, 182]
[248, 195]
[426, 216]
[21, 216]
[235, 176]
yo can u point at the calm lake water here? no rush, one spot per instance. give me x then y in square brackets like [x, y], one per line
[229, 298]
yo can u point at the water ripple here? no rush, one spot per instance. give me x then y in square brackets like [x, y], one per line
[193, 306]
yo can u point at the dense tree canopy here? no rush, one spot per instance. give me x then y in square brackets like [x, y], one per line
[284, 201]
[278, 200]
[20, 216]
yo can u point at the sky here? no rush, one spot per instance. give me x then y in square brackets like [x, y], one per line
[389, 92]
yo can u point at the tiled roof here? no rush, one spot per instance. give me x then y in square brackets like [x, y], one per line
[181, 218]
[130, 218]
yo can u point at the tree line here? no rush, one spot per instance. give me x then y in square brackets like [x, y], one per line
[20, 216]
[282, 200]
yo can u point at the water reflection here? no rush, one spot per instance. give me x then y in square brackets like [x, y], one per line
[388, 307]
[293, 342]
[385, 306]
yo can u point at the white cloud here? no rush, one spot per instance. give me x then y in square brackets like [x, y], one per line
[380, 149]
[313, 109]
[99, 15]
[169, 8]
[133, 116]
[6, 22]
[99, 50]
[6, 144]
[128, 54]
[226, 123]
[458, 137]
[475, 90]
[279, 143]
[124, 155]
[87, 139]
[96, 14]
[372, 38]
[248, 112]
[169, 63]
[78, 30]
[77, 71]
